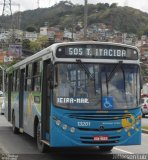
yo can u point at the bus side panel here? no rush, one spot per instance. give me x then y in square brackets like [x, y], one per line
[32, 108]
[28, 116]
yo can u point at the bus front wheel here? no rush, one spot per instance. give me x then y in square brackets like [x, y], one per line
[105, 148]
[41, 146]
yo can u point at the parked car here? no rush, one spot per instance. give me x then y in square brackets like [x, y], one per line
[144, 106]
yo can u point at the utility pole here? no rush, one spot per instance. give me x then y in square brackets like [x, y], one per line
[17, 16]
[38, 3]
[7, 11]
[7, 8]
[4, 26]
[85, 19]
[14, 21]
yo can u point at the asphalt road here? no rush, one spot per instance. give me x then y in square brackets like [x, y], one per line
[23, 147]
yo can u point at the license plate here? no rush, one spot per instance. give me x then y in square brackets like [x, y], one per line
[100, 138]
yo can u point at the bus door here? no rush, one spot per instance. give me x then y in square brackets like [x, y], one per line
[9, 96]
[21, 98]
[46, 100]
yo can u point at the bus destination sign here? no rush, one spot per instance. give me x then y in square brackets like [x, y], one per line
[97, 51]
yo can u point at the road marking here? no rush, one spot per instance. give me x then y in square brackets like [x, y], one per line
[4, 150]
[123, 150]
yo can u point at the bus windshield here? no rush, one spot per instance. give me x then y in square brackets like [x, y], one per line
[77, 90]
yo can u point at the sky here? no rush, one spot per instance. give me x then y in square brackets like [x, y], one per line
[32, 4]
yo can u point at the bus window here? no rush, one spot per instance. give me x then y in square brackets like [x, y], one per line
[74, 82]
[122, 87]
[36, 79]
[37, 84]
[16, 80]
[28, 77]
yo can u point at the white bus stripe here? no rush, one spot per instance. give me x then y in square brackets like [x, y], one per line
[123, 150]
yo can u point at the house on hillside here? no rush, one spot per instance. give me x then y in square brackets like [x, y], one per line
[32, 36]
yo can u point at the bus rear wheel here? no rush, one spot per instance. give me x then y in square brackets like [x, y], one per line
[14, 128]
[105, 148]
[41, 146]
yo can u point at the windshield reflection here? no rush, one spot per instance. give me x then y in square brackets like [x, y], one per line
[76, 90]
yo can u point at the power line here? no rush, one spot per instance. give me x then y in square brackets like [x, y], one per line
[10, 23]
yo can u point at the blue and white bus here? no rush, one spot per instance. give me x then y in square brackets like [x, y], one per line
[77, 94]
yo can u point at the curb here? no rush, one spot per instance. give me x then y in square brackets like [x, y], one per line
[145, 131]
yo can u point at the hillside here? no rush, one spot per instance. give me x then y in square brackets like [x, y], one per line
[64, 14]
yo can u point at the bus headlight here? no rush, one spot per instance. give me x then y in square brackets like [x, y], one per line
[64, 127]
[58, 122]
[72, 129]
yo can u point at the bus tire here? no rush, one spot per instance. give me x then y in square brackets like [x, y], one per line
[14, 128]
[41, 146]
[105, 148]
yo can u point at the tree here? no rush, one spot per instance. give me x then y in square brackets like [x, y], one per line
[39, 44]
[113, 5]
[31, 29]
[106, 5]
[35, 46]
[43, 40]
[26, 44]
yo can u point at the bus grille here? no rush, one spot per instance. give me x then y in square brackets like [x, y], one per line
[100, 116]
[96, 129]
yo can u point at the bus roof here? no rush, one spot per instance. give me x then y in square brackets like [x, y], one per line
[51, 48]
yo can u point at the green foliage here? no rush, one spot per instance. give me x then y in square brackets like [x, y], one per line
[43, 41]
[113, 5]
[31, 29]
[124, 19]
[35, 46]
[26, 44]
[39, 44]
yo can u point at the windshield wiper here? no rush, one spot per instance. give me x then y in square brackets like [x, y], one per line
[91, 76]
[117, 66]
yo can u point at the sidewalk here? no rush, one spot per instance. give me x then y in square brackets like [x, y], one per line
[4, 122]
